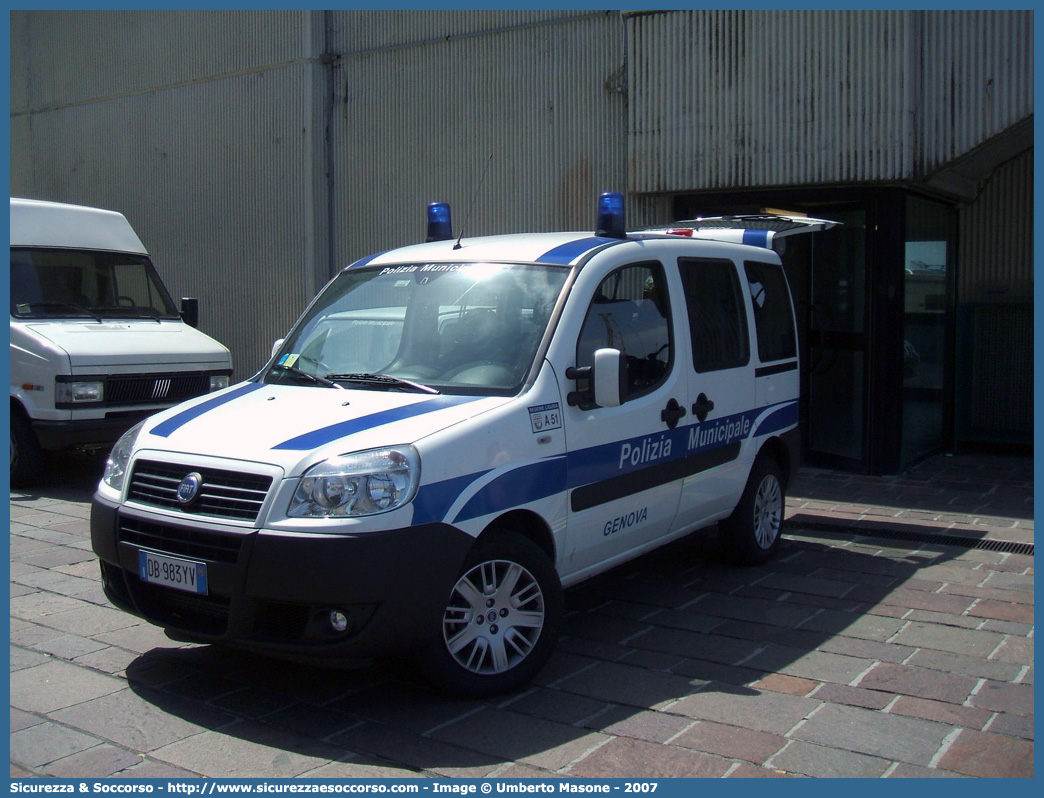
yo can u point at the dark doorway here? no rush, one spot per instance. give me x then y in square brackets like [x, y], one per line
[866, 406]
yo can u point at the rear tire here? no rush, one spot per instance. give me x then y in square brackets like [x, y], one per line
[26, 454]
[501, 619]
[752, 534]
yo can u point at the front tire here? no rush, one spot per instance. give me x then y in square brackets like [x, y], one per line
[501, 619]
[752, 534]
[26, 455]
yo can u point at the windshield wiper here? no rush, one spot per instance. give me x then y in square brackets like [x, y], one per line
[311, 377]
[383, 381]
[70, 305]
[128, 311]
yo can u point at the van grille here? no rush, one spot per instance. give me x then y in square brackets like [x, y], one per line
[137, 389]
[222, 494]
[130, 390]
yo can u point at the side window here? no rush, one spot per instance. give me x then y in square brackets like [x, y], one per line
[629, 312]
[773, 315]
[717, 318]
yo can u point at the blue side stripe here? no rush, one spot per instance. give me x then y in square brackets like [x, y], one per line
[519, 486]
[783, 417]
[321, 437]
[535, 481]
[756, 238]
[567, 253]
[175, 423]
[433, 502]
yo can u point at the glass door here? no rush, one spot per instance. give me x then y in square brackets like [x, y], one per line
[929, 258]
[836, 343]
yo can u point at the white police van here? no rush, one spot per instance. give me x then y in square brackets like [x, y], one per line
[96, 341]
[454, 431]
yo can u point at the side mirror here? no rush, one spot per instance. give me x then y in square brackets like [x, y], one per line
[610, 377]
[190, 311]
[606, 381]
[276, 347]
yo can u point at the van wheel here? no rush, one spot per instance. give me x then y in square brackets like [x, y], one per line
[501, 619]
[752, 534]
[26, 455]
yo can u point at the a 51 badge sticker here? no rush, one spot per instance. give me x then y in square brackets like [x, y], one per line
[545, 417]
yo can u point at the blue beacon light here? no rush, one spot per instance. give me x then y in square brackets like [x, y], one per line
[440, 228]
[611, 215]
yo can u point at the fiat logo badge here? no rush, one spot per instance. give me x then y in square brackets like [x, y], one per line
[189, 488]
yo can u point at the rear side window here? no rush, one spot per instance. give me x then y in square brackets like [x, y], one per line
[773, 315]
[717, 318]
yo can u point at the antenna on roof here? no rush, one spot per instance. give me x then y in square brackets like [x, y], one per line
[473, 198]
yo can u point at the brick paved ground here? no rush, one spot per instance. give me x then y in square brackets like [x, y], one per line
[851, 655]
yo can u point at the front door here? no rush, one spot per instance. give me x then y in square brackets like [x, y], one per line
[622, 461]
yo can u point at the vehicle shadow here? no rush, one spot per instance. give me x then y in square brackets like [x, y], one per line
[672, 637]
[69, 476]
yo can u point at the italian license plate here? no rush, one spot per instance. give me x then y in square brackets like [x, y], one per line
[158, 569]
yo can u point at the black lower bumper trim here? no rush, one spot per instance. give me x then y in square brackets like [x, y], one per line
[330, 596]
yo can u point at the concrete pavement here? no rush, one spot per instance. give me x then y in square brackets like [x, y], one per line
[893, 637]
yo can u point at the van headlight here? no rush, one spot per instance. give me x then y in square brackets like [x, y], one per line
[119, 458]
[69, 393]
[218, 382]
[361, 483]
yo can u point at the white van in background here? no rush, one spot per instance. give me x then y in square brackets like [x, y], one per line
[97, 344]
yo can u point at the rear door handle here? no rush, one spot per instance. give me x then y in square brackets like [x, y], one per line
[702, 407]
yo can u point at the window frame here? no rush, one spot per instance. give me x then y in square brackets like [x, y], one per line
[784, 284]
[659, 272]
[690, 267]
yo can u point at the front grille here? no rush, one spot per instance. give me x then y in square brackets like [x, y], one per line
[222, 494]
[137, 389]
[195, 544]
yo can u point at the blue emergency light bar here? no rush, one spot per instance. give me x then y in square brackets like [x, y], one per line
[611, 215]
[440, 228]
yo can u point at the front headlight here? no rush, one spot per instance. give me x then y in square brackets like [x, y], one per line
[218, 382]
[119, 458]
[78, 392]
[357, 484]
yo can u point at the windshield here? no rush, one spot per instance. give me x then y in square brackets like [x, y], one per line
[64, 283]
[447, 327]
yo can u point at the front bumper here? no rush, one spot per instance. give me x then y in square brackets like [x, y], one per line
[92, 432]
[273, 592]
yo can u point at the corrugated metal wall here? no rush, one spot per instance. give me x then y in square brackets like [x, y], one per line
[204, 130]
[996, 247]
[994, 337]
[978, 78]
[257, 151]
[423, 100]
[722, 99]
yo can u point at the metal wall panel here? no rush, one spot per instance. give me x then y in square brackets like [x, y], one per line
[997, 236]
[218, 175]
[724, 99]
[418, 124]
[360, 31]
[87, 56]
[978, 78]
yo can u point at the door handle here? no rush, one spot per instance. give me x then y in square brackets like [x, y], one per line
[702, 407]
[671, 414]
